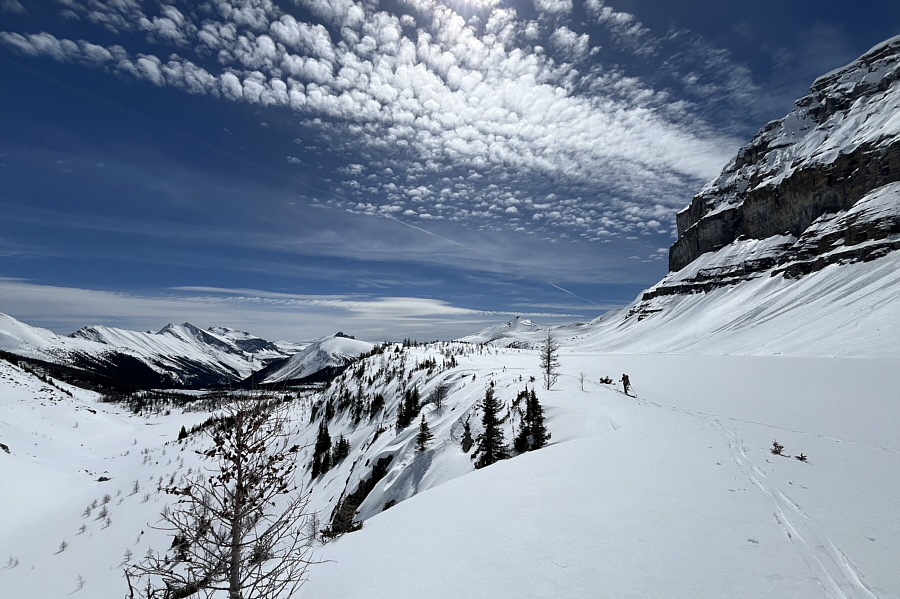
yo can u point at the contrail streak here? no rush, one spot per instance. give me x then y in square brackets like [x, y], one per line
[479, 252]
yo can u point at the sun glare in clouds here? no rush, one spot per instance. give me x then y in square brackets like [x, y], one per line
[467, 8]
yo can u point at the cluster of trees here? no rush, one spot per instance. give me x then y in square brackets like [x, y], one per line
[490, 445]
[324, 456]
[533, 433]
[408, 409]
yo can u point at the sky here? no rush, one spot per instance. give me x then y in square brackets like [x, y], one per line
[391, 169]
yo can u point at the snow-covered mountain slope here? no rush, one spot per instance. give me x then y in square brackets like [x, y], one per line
[259, 347]
[508, 334]
[323, 356]
[177, 355]
[842, 310]
[839, 146]
[673, 494]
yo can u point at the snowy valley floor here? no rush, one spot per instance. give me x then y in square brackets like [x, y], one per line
[674, 494]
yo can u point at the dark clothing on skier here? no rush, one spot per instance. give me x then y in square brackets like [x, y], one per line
[626, 383]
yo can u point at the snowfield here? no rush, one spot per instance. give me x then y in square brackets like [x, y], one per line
[674, 493]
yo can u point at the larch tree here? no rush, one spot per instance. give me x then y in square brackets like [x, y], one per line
[238, 527]
[549, 351]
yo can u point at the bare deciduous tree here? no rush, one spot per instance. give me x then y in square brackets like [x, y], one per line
[550, 360]
[239, 527]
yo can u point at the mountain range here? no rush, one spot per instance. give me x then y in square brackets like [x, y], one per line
[177, 356]
[776, 326]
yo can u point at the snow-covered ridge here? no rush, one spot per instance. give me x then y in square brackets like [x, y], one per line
[179, 354]
[332, 352]
[516, 330]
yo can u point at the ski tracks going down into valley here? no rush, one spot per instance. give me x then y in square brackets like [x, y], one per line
[832, 568]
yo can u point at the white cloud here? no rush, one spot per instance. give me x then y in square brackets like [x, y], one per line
[575, 45]
[13, 6]
[485, 112]
[553, 6]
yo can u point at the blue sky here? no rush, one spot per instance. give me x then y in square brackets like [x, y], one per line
[406, 168]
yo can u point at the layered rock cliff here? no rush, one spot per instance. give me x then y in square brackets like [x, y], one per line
[817, 187]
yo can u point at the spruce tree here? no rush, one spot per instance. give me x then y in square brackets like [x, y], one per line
[402, 419]
[322, 450]
[522, 442]
[425, 436]
[492, 441]
[535, 416]
[533, 433]
[341, 449]
[467, 441]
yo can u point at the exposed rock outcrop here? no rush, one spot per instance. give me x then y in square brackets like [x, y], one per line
[813, 188]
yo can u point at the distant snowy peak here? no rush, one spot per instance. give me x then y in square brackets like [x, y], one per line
[22, 339]
[516, 330]
[194, 335]
[176, 355]
[247, 342]
[839, 145]
[320, 356]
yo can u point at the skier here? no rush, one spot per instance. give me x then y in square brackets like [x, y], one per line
[626, 383]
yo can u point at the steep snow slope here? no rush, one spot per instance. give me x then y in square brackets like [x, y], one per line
[331, 352]
[848, 310]
[843, 310]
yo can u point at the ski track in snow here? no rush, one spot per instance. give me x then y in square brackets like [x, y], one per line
[835, 572]
[837, 575]
[718, 417]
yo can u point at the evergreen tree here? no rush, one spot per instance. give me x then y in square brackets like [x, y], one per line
[322, 450]
[535, 416]
[412, 404]
[341, 449]
[491, 443]
[402, 420]
[425, 436]
[533, 433]
[522, 441]
[467, 441]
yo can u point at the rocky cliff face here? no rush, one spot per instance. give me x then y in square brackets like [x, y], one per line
[817, 187]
